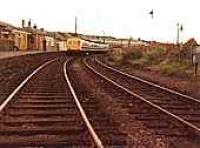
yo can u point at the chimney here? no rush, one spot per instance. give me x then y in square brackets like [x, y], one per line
[35, 26]
[23, 23]
[41, 29]
[29, 23]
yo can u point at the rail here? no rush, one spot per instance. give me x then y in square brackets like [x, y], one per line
[83, 114]
[9, 98]
[147, 82]
[186, 123]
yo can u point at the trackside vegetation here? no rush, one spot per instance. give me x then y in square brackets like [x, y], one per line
[165, 59]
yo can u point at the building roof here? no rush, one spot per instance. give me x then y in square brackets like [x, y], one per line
[20, 30]
[7, 26]
[61, 36]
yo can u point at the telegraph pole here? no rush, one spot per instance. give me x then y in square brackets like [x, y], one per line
[104, 40]
[76, 25]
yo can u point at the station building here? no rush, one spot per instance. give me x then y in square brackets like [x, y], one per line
[6, 37]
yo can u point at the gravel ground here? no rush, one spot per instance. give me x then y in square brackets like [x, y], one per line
[138, 135]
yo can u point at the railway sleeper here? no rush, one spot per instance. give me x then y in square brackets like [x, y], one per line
[52, 101]
[46, 124]
[45, 141]
[148, 117]
[46, 91]
[41, 113]
[51, 130]
[37, 116]
[44, 96]
[38, 120]
[43, 107]
[40, 95]
[162, 124]
[172, 133]
[114, 142]
[54, 105]
[195, 120]
[35, 110]
[173, 107]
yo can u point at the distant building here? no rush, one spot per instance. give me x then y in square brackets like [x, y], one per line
[61, 40]
[20, 39]
[62, 45]
[6, 37]
[50, 43]
[36, 37]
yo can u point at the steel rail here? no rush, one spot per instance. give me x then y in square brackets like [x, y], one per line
[147, 82]
[83, 114]
[186, 123]
[9, 98]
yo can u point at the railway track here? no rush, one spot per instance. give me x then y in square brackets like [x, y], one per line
[16, 69]
[41, 112]
[105, 127]
[166, 112]
[51, 108]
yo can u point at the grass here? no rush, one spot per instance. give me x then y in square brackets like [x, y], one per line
[174, 67]
[167, 63]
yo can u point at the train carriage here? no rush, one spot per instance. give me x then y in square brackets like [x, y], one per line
[74, 43]
[78, 44]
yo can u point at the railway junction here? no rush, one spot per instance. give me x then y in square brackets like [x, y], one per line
[61, 99]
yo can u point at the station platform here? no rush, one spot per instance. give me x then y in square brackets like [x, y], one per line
[9, 54]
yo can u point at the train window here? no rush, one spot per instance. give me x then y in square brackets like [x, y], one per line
[76, 43]
[70, 43]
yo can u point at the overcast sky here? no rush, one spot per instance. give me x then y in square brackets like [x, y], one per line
[121, 18]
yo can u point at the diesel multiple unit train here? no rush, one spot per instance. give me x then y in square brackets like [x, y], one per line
[78, 44]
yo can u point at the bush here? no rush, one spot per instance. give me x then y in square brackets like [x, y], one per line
[155, 55]
[168, 63]
[171, 68]
[124, 56]
[135, 54]
[139, 62]
[115, 57]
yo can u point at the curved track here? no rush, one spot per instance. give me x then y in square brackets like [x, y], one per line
[106, 129]
[52, 108]
[41, 112]
[167, 112]
[83, 114]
